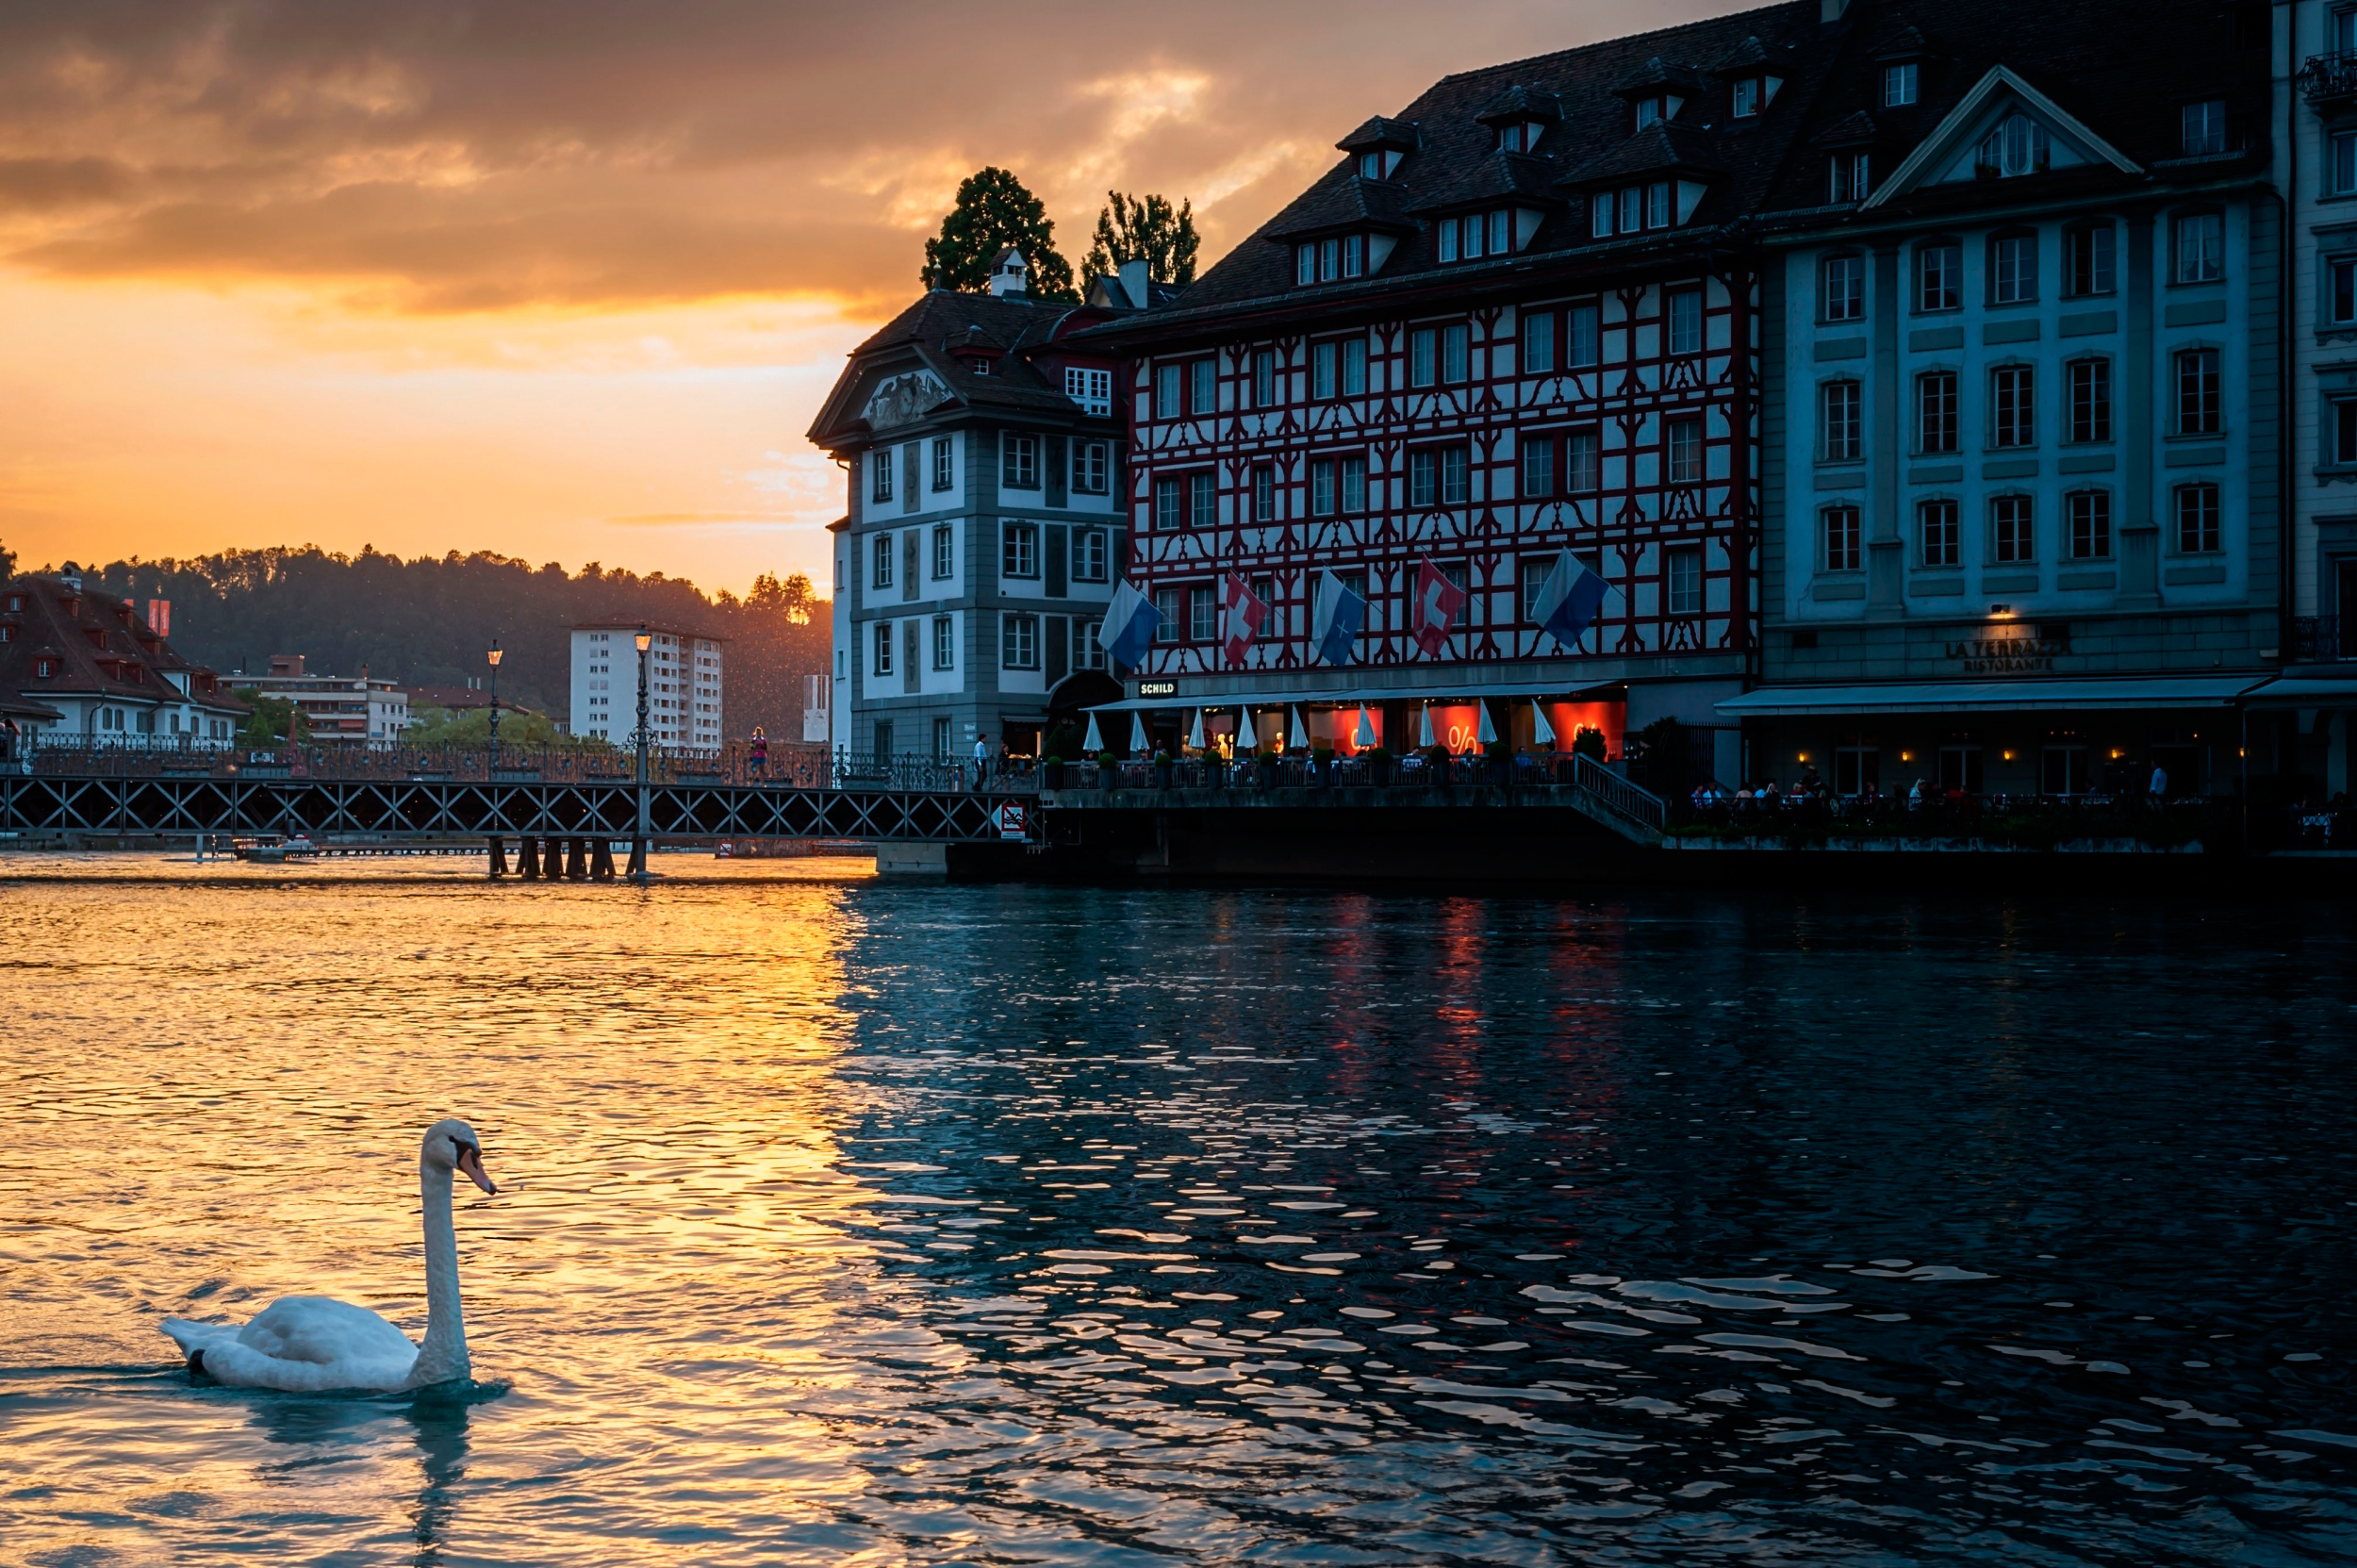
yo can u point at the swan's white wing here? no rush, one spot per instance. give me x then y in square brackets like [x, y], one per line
[302, 1344]
[191, 1336]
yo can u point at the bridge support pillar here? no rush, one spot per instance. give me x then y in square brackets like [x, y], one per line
[601, 859]
[638, 872]
[499, 857]
[912, 860]
[528, 858]
[576, 859]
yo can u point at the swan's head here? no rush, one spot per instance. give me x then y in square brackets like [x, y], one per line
[452, 1145]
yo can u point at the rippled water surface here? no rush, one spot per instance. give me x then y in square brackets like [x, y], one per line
[852, 1223]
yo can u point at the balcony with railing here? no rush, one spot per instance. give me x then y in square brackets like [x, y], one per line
[2330, 80]
[2323, 639]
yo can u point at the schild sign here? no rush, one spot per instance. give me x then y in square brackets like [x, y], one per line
[1158, 689]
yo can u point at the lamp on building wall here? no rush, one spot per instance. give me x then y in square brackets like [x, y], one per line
[494, 656]
[638, 845]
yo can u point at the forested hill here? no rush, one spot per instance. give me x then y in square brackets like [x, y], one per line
[432, 621]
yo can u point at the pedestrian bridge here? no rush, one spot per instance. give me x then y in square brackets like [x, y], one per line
[75, 808]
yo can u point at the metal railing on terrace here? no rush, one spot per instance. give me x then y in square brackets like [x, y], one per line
[1414, 771]
[2329, 79]
[2323, 638]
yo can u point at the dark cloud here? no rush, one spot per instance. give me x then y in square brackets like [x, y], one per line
[440, 155]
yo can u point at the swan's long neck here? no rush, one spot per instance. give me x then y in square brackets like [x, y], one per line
[443, 1356]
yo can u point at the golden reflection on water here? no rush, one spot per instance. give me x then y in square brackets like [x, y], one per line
[847, 1223]
[216, 1088]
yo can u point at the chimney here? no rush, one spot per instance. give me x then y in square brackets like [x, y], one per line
[159, 617]
[1007, 270]
[1831, 11]
[1137, 282]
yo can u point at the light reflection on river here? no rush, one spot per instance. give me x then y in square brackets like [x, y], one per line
[852, 1223]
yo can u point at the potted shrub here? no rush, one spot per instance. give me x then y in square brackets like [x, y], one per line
[1164, 766]
[1051, 772]
[1501, 755]
[1265, 769]
[1322, 763]
[1378, 766]
[1436, 762]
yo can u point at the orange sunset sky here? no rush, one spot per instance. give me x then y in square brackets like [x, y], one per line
[566, 279]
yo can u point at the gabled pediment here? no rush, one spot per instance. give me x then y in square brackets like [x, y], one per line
[904, 399]
[2003, 127]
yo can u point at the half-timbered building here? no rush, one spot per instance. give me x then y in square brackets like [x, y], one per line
[1516, 319]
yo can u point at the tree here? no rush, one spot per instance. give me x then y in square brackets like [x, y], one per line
[994, 211]
[273, 719]
[1128, 229]
[7, 563]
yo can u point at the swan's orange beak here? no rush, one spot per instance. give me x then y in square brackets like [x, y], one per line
[471, 1160]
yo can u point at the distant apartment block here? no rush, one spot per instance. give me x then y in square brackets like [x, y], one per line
[335, 707]
[683, 685]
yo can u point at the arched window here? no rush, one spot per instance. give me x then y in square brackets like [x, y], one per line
[2016, 147]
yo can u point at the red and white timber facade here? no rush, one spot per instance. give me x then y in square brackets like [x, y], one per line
[1449, 477]
[1520, 319]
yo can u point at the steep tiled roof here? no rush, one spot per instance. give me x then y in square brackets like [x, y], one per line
[1347, 203]
[1498, 177]
[1452, 144]
[2122, 70]
[1519, 104]
[1659, 148]
[98, 645]
[1012, 328]
[1382, 132]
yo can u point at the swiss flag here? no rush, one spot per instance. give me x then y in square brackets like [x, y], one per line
[1241, 617]
[1436, 605]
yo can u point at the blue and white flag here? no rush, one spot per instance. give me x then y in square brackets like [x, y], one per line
[1130, 621]
[1335, 620]
[1569, 599]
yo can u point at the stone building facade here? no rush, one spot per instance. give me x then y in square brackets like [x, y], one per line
[2024, 512]
[983, 531]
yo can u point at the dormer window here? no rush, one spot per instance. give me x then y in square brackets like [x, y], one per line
[2016, 147]
[1900, 84]
[1651, 111]
[1746, 98]
[1846, 177]
[1480, 233]
[1371, 166]
[1639, 207]
[1521, 137]
[2203, 126]
[979, 365]
[1337, 256]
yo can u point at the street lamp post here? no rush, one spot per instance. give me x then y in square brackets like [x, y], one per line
[495, 708]
[638, 845]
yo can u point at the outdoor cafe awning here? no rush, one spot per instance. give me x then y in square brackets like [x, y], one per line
[2082, 694]
[2306, 691]
[1354, 696]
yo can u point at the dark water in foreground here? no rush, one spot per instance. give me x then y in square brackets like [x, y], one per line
[852, 1224]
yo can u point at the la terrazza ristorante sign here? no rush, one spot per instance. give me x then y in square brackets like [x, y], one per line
[2008, 651]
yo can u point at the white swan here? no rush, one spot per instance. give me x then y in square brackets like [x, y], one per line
[307, 1344]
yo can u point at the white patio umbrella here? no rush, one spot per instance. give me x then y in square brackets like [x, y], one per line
[1296, 733]
[1424, 726]
[1542, 732]
[1364, 733]
[1486, 732]
[1137, 732]
[1195, 736]
[1096, 742]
